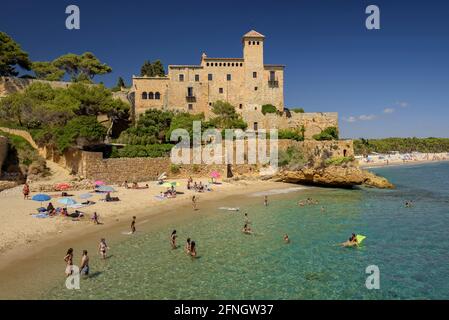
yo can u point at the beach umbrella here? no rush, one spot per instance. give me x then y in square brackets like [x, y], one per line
[67, 201]
[175, 184]
[215, 174]
[85, 196]
[41, 197]
[62, 186]
[162, 176]
[99, 183]
[105, 189]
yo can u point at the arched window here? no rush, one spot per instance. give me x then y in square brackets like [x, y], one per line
[233, 64]
[216, 64]
[241, 64]
[249, 42]
[220, 64]
[207, 64]
[144, 95]
[157, 96]
[150, 95]
[257, 42]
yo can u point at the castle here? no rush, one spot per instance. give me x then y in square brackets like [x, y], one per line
[246, 83]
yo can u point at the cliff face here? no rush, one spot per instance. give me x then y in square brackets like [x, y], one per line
[334, 176]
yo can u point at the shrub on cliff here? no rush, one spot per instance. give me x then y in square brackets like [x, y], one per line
[148, 151]
[298, 110]
[268, 108]
[291, 158]
[330, 133]
[290, 134]
[338, 161]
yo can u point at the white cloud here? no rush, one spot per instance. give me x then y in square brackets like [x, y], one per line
[388, 110]
[402, 104]
[350, 119]
[365, 117]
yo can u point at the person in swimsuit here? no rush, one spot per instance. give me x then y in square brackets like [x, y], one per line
[246, 229]
[95, 218]
[193, 249]
[26, 191]
[265, 201]
[194, 200]
[84, 266]
[286, 238]
[351, 242]
[247, 219]
[173, 239]
[69, 262]
[102, 247]
[133, 225]
[187, 246]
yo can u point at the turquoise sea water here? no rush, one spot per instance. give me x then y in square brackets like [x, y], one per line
[409, 245]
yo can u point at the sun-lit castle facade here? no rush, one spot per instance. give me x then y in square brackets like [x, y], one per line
[246, 83]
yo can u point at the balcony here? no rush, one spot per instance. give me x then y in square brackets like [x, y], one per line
[191, 98]
[272, 83]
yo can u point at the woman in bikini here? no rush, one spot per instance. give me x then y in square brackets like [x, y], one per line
[69, 262]
[193, 249]
[102, 247]
[173, 239]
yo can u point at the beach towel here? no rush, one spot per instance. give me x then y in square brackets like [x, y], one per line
[40, 215]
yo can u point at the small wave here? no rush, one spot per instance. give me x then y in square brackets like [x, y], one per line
[277, 191]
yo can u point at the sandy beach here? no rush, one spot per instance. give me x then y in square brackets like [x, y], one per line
[382, 160]
[21, 233]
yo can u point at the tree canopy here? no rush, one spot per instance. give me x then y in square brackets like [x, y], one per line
[82, 67]
[152, 70]
[12, 55]
[46, 70]
[226, 116]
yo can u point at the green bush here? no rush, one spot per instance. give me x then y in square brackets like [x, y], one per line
[330, 133]
[175, 168]
[299, 110]
[290, 134]
[268, 108]
[291, 158]
[148, 151]
[338, 161]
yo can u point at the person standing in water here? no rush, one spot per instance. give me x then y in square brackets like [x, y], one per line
[265, 201]
[133, 225]
[102, 247]
[173, 239]
[84, 266]
[286, 238]
[187, 246]
[246, 229]
[69, 262]
[247, 219]
[193, 249]
[194, 201]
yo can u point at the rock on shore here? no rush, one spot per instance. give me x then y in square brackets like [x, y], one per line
[334, 176]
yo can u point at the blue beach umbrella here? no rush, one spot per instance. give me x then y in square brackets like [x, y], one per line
[41, 197]
[67, 201]
[105, 189]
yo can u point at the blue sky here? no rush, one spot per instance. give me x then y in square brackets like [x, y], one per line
[388, 82]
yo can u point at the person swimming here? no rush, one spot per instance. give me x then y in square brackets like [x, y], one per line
[246, 229]
[102, 247]
[187, 246]
[286, 238]
[352, 241]
[173, 239]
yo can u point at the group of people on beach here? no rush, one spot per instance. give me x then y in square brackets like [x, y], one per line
[84, 264]
[134, 185]
[197, 187]
[189, 248]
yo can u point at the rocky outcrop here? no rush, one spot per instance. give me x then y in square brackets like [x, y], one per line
[333, 176]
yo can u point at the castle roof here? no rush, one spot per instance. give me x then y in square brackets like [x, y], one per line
[253, 34]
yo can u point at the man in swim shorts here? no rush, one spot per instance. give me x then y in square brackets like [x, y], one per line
[84, 267]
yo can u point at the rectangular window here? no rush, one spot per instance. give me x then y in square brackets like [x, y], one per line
[190, 92]
[240, 106]
[190, 106]
[209, 77]
[254, 74]
[228, 77]
[256, 126]
[220, 90]
[255, 88]
[181, 77]
[272, 76]
[197, 77]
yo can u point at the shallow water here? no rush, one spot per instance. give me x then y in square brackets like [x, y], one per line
[409, 245]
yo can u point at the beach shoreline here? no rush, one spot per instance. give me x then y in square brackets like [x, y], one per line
[381, 164]
[17, 250]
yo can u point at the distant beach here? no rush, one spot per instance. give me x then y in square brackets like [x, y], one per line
[397, 159]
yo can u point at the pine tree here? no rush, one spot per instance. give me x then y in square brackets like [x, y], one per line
[146, 69]
[158, 69]
[121, 83]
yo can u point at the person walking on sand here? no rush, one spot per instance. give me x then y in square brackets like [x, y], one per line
[26, 191]
[84, 266]
[102, 248]
[95, 218]
[194, 201]
[265, 201]
[69, 262]
[173, 239]
[133, 225]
